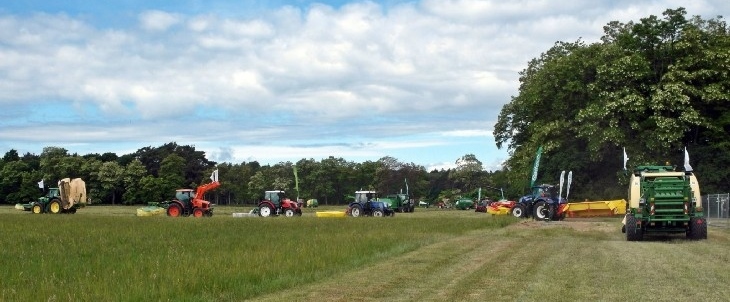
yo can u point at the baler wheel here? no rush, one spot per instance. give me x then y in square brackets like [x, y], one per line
[697, 228]
[174, 210]
[633, 233]
[198, 212]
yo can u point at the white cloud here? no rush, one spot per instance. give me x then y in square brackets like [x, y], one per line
[360, 72]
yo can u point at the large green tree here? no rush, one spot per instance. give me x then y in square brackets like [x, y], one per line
[652, 87]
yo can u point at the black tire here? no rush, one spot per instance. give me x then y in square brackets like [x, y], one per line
[356, 211]
[289, 213]
[697, 228]
[518, 211]
[378, 213]
[542, 211]
[208, 213]
[633, 232]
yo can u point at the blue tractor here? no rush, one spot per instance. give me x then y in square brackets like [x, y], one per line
[366, 204]
[543, 203]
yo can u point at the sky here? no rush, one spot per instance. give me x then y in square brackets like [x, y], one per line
[276, 81]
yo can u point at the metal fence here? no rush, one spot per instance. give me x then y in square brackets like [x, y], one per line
[716, 205]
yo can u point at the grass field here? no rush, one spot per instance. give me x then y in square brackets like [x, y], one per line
[106, 253]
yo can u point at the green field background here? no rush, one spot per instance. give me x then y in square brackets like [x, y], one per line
[107, 253]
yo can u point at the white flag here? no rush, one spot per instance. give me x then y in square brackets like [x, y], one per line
[687, 167]
[562, 176]
[40, 184]
[626, 158]
[570, 180]
[214, 176]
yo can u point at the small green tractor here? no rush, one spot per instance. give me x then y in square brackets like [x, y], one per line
[664, 201]
[399, 202]
[66, 199]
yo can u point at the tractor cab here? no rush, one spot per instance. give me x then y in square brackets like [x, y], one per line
[184, 195]
[363, 197]
[275, 196]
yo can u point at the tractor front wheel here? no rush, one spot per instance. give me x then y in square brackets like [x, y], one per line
[289, 213]
[519, 211]
[377, 213]
[54, 207]
[355, 211]
[198, 212]
[37, 209]
[174, 210]
[265, 211]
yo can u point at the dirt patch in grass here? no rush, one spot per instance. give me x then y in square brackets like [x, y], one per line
[578, 225]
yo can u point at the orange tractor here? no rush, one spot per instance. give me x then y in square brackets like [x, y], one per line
[187, 203]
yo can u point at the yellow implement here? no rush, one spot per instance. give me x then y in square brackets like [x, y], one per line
[596, 208]
[330, 213]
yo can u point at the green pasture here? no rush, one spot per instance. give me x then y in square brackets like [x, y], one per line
[106, 253]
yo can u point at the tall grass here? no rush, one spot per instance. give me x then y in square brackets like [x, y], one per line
[126, 258]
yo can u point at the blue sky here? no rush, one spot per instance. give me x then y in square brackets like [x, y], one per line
[276, 81]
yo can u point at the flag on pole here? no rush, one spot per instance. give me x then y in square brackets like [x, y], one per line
[687, 167]
[626, 158]
[40, 184]
[535, 167]
[214, 175]
[296, 180]
[570, 180]
[562, 176]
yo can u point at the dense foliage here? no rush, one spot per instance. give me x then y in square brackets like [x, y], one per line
[153, 173]
[653, 87]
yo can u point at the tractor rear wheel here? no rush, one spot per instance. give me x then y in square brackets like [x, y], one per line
[519, 211]
[174, 210]
[697, 228]
[54, 207]
[542, 211]
[198, 212]
[265, 211]
[289, 213]
[378, 213]
[355, 211]
[37, 209]
[633, 232]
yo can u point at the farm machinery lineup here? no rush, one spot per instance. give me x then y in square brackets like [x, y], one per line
[69, 196]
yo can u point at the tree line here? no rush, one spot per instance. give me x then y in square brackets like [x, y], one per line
[152, 174]
[653, 87]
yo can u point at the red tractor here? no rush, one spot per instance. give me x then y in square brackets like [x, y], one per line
[187, 203]
[275, 203]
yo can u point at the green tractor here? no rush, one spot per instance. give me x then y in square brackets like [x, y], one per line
[664, 201]
[464, 203]
[66, 199]
[401, 202]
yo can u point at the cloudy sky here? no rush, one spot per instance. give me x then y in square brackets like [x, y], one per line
[274, 81]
